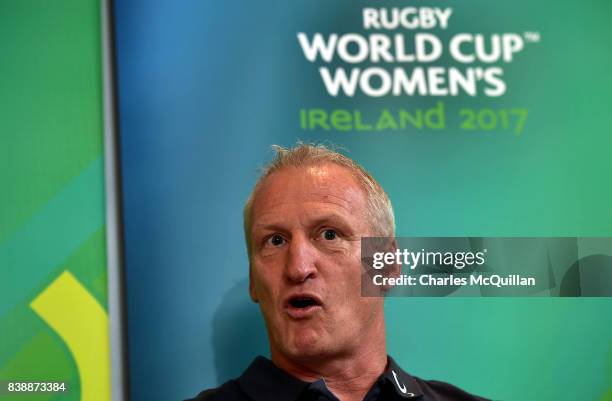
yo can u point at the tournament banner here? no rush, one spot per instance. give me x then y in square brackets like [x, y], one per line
[486, 123]
[54, 320]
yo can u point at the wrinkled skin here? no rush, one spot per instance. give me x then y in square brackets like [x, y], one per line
[305, 238]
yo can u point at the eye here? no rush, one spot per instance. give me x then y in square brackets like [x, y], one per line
[275, 240]
[329, 234]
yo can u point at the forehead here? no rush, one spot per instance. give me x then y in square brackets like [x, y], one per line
[328, 185]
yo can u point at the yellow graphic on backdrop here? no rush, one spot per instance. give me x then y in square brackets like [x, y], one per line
[75, 315]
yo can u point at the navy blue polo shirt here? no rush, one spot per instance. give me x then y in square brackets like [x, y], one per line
[263, 381]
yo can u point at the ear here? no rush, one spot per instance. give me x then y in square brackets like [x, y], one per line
[394, 270]
[252, 292]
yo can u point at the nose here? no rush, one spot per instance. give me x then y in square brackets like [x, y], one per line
[300, 264]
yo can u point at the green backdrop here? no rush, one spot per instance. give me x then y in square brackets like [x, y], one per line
[53, 281]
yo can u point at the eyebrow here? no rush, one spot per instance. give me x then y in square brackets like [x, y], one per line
[332, 218]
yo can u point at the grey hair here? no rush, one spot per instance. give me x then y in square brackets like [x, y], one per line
[380, 209]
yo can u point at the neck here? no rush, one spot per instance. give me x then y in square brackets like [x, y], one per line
[349, 375]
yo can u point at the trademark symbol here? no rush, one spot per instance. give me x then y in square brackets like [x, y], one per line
[532, 37]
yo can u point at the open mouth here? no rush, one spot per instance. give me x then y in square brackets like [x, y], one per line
[302, 305]
[302, 302]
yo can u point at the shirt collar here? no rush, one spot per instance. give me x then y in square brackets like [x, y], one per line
[404, 385]
[263, 380]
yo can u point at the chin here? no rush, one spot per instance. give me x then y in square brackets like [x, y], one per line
[305, 345]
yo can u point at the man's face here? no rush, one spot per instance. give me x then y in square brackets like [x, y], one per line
[305, 261]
